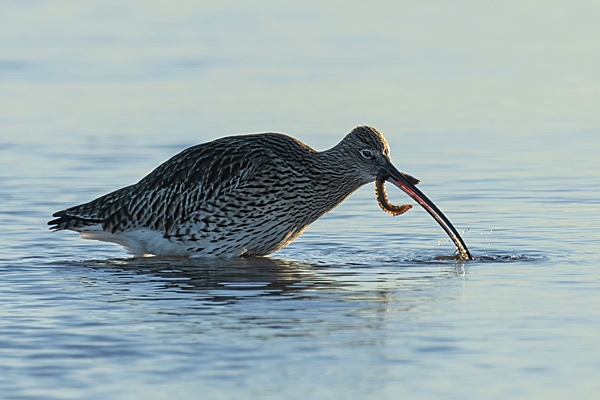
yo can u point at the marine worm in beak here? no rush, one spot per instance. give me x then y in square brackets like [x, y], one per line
[383, 202]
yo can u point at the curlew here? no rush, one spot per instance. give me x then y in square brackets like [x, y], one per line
[247, 195]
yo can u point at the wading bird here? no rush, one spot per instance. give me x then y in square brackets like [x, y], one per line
[243, 195]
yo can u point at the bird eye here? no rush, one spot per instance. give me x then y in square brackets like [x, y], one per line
[367, 154]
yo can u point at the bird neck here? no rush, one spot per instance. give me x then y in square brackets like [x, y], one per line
[334, 176]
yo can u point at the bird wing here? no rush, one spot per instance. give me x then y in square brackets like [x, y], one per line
[169, 195]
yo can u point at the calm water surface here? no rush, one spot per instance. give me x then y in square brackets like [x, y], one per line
[360, 306]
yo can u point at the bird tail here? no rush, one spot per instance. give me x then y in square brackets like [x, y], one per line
[86, 215]
[72, 222]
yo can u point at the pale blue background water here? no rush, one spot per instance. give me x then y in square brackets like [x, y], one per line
[495, 107]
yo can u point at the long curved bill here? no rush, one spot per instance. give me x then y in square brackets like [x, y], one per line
[403, 181]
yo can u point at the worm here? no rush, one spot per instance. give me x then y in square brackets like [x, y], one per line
[383, 202]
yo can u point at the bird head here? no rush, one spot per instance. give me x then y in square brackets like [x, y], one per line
[368, 155]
